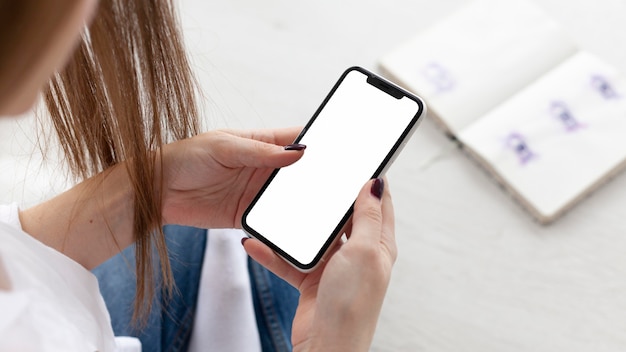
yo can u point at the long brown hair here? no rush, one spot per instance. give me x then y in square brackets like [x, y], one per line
[128, 90]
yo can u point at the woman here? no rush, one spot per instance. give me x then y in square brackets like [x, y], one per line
[117, 105]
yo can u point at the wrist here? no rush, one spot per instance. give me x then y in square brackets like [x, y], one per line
[338, 335]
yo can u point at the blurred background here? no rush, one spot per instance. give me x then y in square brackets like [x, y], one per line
[475, 272]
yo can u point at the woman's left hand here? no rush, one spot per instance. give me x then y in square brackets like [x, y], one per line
[341, 300]
[210, 179]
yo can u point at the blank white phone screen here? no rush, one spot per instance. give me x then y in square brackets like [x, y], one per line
[347, 142]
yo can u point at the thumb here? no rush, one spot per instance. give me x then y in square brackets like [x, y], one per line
[367, 219]
[236, 151]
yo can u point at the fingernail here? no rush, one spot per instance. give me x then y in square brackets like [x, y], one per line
[243, 240]
[295, 146]
[378, 186]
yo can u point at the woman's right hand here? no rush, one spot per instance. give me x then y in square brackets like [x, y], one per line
[206, 181]
[210, 179]
[341, 300]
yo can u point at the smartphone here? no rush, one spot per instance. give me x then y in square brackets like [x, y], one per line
[356, 133]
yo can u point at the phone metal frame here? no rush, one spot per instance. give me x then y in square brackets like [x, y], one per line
[387, 87]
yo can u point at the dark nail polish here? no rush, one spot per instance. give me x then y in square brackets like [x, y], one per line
[378, 186]
[295, 146]
[243, 240]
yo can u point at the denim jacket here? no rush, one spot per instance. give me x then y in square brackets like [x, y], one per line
[170, 322]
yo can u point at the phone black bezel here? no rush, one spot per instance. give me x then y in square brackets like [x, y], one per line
[380, 83]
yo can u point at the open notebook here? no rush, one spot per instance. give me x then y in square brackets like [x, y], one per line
[546, 119]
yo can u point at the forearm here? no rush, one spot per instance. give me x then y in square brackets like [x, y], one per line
[359, 341]
[90, 222]
[343, 329]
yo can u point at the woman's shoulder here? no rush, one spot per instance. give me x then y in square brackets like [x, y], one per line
[9, 214]
[47, 299]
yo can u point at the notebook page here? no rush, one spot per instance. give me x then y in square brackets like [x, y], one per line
[478, 57]
[558, 138]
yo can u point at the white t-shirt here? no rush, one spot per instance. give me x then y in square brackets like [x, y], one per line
[48, 302]
[225, 318]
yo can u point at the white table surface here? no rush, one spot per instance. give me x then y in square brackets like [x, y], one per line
[475, 272]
